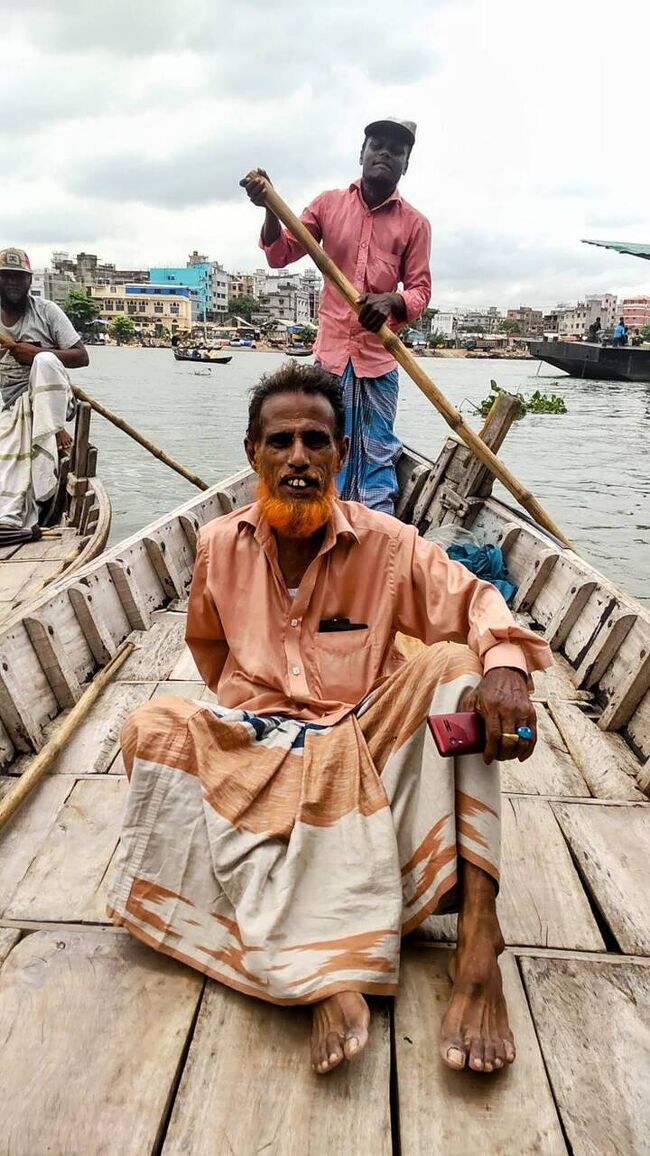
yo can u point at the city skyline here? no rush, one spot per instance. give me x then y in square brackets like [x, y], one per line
[130, 137]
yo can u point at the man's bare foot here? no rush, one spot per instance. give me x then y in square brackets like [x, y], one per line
[339, 1030]
[475, 1030]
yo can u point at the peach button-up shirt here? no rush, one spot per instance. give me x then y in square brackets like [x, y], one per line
[261, 650]
[377, 250]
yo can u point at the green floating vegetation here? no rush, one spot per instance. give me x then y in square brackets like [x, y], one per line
[536, 403]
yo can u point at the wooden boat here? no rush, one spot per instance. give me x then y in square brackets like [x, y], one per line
[75, 527]
[298, 351]
[186, 355]
[109, 1047]
[598, 362]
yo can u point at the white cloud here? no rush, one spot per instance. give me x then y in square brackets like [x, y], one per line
[126, 129]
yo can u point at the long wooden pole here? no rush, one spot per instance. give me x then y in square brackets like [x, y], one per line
[53, 748]
[143, 441]
[392, 343]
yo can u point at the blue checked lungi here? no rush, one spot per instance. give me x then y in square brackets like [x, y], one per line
[369, 474]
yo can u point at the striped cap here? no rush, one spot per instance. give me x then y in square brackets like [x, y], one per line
[14, 261]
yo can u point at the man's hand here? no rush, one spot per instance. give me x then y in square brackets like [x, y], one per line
[24, 352]
[376, 308]
[256, 187]
[502, 699]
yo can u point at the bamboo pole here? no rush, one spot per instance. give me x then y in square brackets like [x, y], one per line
[53, 748]
[392, 343]
[143, 441]
[127, 428]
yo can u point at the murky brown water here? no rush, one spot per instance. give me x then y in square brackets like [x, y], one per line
[590, 468]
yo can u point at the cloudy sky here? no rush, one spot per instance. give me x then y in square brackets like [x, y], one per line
[126, 126]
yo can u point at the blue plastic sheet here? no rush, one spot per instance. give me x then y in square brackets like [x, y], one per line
[487, 563]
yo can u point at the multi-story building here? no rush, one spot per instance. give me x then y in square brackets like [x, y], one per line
[635, 312]
[312, 284]
[606, 308]
[207, 278]
[530, 321]
[444, 324]
[247, 284]
[53, 286]
[147, 305]
[284, 299]
[87, 269]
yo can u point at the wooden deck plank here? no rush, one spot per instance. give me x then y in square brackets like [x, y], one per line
[461, 1113]
[541, 902]
[156, 651]
[608, 766]
[8, 939]
[550, 770]
[185, 668]
[240, 1044]
[182, 689]
[93, 1028]
[556, 682]
[593, 1024]
[26, 833]
[50, 549]
[64, 877]
[94, 745]
[17, 578]
[612, 846]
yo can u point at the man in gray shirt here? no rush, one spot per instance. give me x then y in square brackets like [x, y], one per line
[38, 344]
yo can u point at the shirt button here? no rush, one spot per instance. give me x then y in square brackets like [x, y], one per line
[295, 622]
[295, 670]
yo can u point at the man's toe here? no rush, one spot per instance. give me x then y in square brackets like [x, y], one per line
[476, 1056]
[453, 1053]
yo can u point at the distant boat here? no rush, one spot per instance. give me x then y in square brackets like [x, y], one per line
[598, 362]
[299, 351]
[203, 355]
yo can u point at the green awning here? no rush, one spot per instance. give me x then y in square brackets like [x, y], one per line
[630, 247]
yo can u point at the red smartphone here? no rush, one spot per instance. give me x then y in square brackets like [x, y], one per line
[458, 734]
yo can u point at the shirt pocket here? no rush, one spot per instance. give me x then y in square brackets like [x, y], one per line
[346, 662]
[383, 272]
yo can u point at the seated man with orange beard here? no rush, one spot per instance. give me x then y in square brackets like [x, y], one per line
[285, 839]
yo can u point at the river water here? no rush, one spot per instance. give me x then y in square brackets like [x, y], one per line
[589, 468]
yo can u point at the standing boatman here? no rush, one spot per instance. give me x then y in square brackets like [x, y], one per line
[379, 242]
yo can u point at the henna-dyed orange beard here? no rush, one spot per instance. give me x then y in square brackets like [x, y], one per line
[299, 518]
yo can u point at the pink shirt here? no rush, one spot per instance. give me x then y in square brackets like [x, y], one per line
[377, 250]
[261, 650]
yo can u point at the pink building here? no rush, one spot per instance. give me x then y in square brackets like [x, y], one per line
[635, 311]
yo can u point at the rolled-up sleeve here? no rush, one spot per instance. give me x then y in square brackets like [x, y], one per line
[286, 249]
[416, 270]
[440, 600]
[204, 633]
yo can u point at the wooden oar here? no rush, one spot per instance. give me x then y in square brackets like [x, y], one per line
[127, 428]
[392, 343]
[53, 748]
[143, 441]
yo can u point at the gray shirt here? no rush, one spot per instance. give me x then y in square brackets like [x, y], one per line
[43, 323]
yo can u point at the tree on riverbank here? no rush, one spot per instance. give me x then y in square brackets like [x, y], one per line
[243, 306]
[81, 309]
[512, 328]
[122, 328]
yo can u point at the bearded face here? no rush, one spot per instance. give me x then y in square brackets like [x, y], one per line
[296, 459]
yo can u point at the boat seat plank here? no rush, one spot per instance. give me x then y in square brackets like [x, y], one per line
[17, 578]
[550, 770]
[93, 746]
[182, 689]
[93, 1027]
[612, 848]
[638, 728]
[607, 765]
[593, 1024]
[541, 902]
[443, 1112]
[156, 651]
[240, 1043]
[27, 831]
[63, 879]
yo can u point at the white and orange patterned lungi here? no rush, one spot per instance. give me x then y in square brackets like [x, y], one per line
[287, 859]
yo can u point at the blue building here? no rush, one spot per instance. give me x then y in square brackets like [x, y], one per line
[196, 276]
